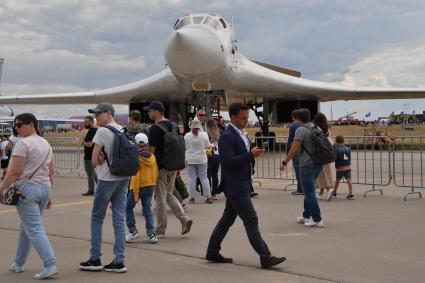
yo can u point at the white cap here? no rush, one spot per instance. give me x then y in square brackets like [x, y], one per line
[141, 139]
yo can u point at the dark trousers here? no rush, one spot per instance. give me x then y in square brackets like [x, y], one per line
[212, 172]
[242, 207]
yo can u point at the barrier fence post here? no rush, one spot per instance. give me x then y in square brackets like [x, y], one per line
[414, 145]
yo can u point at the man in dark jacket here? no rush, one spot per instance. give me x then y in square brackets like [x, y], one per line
[236, 159]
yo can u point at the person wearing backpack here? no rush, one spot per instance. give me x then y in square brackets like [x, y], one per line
[168, 146]
[343, 166]
[325, 179]
[310, 167]
[111, 188]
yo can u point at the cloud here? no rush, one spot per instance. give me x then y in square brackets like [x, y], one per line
[54, 45]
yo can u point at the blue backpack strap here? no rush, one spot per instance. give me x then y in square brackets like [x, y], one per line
[113, 129]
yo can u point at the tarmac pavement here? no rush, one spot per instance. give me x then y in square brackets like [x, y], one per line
[373, 239]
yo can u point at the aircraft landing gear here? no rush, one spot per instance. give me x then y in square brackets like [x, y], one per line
[262, 116]
[209, 100]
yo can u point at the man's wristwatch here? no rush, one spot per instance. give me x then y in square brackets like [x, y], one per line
[284, 162]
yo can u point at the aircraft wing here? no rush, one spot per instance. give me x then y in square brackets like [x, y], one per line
[253, 78]
[163, 86]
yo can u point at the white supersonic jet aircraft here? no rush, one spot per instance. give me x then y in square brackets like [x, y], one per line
[204, 67]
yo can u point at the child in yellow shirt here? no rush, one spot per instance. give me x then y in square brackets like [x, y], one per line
[142, 186]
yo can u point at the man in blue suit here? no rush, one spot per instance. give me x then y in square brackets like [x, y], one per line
[236, 159]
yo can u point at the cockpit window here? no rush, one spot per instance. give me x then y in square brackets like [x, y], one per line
[209, 20]
[183, 22]
[212, 22]
[223, 23]
[197, 20]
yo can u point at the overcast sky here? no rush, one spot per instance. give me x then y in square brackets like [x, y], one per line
[73, 45]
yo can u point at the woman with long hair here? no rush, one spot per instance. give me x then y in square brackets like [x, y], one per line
[325, 179]
[213, 159]
[32, 170]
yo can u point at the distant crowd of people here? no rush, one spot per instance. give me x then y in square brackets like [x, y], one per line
[152, 160]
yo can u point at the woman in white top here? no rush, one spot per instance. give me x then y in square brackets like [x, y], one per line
[213, 159]
[31, 169]
[196, 159]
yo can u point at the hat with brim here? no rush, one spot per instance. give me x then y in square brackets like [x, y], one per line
[195, 124]
[103, 107]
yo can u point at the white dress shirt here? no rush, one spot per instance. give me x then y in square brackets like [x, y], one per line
[244, 136]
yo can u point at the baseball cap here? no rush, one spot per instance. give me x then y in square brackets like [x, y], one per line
[155, 105]
[141, 138]
[103, 107]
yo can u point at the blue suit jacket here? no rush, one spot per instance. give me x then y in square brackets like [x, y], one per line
[236, 164]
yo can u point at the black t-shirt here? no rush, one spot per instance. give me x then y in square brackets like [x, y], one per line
[88, 151]
[156, 140]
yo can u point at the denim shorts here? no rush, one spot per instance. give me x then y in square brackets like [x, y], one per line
[343, 174]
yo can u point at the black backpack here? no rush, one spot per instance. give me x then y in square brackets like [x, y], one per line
[174, 148]
[323, 151]
[125, 157]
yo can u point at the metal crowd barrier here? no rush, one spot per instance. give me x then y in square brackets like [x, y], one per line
[370, 161]
[67, 152]
[408, 164]
[375, 160]
[267, 166]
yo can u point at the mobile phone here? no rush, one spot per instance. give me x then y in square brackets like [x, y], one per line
[264, 145]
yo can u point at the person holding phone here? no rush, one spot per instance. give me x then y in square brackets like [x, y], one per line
[236, 159]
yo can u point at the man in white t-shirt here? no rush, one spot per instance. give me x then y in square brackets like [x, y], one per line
[110, 189]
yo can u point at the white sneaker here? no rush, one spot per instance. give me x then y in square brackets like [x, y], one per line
[16, 268]
[132, 237]
[152, 239]
[161, 236]
[314, 224]
[330, 192]
[302, 220]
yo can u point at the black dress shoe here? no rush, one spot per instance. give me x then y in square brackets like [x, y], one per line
[272, 261]
[219, 258]
[88, 194]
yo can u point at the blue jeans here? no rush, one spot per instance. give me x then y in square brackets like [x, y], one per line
[145, 195]
[308, 176]
[296, 164]
[116, 193]
[30, 208]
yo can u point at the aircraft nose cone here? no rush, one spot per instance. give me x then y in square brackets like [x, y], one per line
[191, 51]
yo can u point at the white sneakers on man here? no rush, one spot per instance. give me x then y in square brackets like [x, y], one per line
[302, 220]
[132, 237]
[314, 224]
[309, 222]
